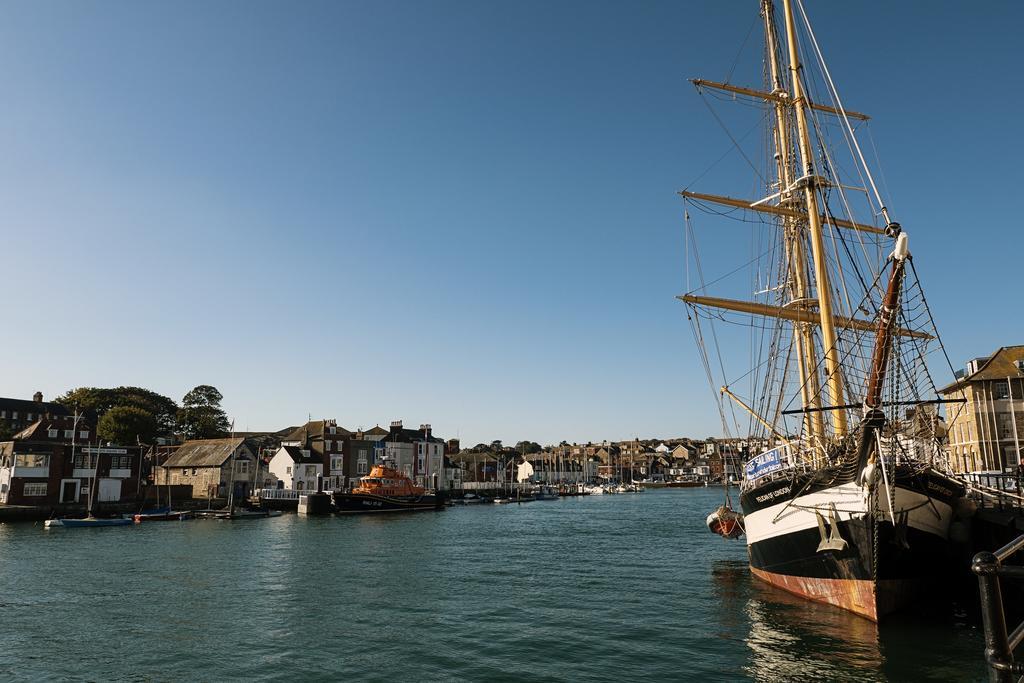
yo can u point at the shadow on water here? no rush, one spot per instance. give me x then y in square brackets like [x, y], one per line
[791, 639]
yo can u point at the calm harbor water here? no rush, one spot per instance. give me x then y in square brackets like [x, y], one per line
[587, 589]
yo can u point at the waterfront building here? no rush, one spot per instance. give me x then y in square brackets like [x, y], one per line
[986, 429]
[207, 465]
[17, 414]
[51, 462]
[296, 469]
[417, 453]
[324, 439]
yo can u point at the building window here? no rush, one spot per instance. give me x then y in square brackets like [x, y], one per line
[1005, 426]
[14, 415]
[29, 417]
[32, 460]
[287, 470]
[361, 467]
[336, 464]
[184, 471]
[52, 433]
[1001, 389]
[35, 490]
[85, 462]
[243, 467]
[310, 470]
[69, 433]
[83, 435]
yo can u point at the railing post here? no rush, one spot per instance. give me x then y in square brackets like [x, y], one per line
[997, 648]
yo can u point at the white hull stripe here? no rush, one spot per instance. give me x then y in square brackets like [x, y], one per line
[850, 502]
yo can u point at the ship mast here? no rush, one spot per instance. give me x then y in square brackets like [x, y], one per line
[809, 182]
[803, 332]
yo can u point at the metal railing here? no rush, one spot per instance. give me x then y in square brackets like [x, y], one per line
[281, 494]
[999, 646]
[996, 490]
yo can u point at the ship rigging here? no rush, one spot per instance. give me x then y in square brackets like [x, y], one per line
[850, 501]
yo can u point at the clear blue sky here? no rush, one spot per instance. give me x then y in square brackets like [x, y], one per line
[461, 213]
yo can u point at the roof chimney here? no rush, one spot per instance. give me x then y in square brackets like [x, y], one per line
[37, 397]
[396, 426]
[426, 430]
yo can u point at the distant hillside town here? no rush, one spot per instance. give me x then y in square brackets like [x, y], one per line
[129, 442]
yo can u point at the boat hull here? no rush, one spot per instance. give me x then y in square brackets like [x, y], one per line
[845, 546]
[86, 523]
[173, 516]
[361, 503]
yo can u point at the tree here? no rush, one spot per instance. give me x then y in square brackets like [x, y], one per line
[528, 447]
[200, 415]
[99, 401]
[126, 425]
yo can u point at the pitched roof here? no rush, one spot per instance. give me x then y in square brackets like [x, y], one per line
[1001, 365]
[376, 431]
[315, 429]
[26, 406]
[204, 453]
[298, 457]
[39, 430]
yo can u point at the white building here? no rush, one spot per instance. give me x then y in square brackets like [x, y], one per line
[296, 468]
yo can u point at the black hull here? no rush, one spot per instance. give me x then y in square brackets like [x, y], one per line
[873, 567]
[365, 503]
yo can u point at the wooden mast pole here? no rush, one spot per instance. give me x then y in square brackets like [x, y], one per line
[810, 389]
[809, 182]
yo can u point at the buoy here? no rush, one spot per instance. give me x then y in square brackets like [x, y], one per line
[726, 522]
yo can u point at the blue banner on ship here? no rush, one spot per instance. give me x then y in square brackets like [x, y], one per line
[763, 464]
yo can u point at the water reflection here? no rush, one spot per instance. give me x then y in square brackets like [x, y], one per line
[789, 638]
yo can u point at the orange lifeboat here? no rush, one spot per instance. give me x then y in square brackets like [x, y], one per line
[387, 481]
[386, 489]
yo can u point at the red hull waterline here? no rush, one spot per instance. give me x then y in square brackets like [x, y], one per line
[855, 595]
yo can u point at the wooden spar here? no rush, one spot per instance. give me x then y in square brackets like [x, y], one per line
[778, 211]
[741, 404]
[777, 97]
[803, 334]
[800, 315]
[828, 332]
[886, 321]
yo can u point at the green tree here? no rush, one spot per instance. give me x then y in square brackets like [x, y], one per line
[127, 425]
[528, 447]
[99, 401]
[200, 415]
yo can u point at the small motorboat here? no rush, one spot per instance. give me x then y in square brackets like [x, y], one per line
[65, 522]
[164, 515]
[546, 493]
[726, 522]
[243, 513]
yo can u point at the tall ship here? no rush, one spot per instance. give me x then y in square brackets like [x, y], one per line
[386, 489]
[817, 341]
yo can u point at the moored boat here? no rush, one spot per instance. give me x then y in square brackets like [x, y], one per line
[847, 498]
[86, 522]
[163, 516]
[386, 489]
